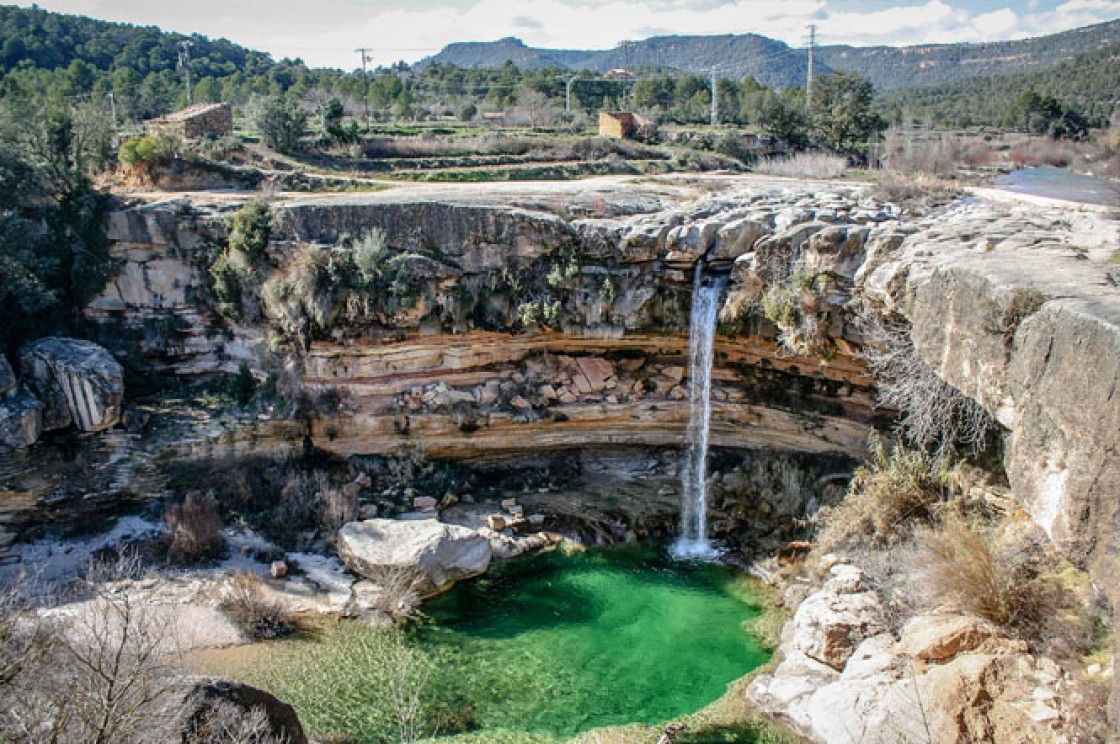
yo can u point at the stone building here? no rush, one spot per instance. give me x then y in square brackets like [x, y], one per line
[195, 122]
[624, 125]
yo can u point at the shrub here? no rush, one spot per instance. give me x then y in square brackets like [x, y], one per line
[281, 122]
[934, 415]
[899, 487]
[804, 165]
[1014, 588]
[242, 385]
[247, 604]
[234, 267]
[792, 308]
[1008, 314]
[144, 153]
[370, 256]
[194, 529]
[251, 229]
[915, 197]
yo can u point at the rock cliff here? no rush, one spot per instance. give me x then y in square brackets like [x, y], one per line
[506, 323]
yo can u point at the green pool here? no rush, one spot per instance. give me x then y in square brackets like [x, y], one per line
[543, 648]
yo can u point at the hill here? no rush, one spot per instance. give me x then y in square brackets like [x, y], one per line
[773, 63]
[891, 68]
[778, 65]
[1089, 83]
[32, 37]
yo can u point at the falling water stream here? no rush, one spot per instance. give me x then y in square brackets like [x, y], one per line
[693, 542]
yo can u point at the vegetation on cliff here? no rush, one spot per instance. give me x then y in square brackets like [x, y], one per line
[53, 249]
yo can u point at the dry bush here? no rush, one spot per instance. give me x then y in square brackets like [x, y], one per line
[916, 197]
[194, 529]
[933, 153]
[246, 603]
[934, 415]
[793, 306]
[901, 486]
[226, 723]
[1038, 151]
[25, 637]
[1016, 587]
[299, 297]
[398, 597]
[337, 506]
[106, 677]
[804, 165]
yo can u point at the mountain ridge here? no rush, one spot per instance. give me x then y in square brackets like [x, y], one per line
[776, 64]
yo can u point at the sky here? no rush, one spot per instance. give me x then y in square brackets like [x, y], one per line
[326, 33]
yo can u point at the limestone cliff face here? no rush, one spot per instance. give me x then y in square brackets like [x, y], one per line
[513, 292]
[531, 324]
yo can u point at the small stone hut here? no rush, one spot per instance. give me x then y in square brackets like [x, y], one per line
[195, 122]
[624, 125]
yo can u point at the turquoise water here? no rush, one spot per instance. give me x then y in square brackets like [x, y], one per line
[539, 649]
[558, 644]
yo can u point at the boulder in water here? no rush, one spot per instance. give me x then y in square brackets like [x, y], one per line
[438, 554]
[78, 382]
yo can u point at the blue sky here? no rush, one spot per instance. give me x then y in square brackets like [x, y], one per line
[325, 32]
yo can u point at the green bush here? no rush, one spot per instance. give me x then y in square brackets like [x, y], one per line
[251, 229]
[282, 123]
[143, 153]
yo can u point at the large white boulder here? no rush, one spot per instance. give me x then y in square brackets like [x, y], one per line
[437, 554]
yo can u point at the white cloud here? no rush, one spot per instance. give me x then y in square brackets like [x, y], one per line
[325, 32]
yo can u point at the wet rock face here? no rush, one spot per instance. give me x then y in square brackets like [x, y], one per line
[435, 554]
[7, 377]
[21, 420]
[78, 382]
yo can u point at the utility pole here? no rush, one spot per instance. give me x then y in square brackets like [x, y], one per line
[113, 109]
[568, 92]
[185, 64]
[625, 47]
[809, 77]
[367, 57]
[715, 101]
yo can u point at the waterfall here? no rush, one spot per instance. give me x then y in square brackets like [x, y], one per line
[693, 542]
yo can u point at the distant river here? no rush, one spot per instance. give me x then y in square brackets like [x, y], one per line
[1059, 183]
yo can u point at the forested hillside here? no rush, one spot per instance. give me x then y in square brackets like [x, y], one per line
[891, 68]
[63, 57]
[1088, 84]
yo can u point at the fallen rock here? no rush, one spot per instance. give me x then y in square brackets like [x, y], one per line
[78, 382]
[205, 706]
[939, 638]
[278, 569]
[440, 554]
[21, 420]
[828, 626]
